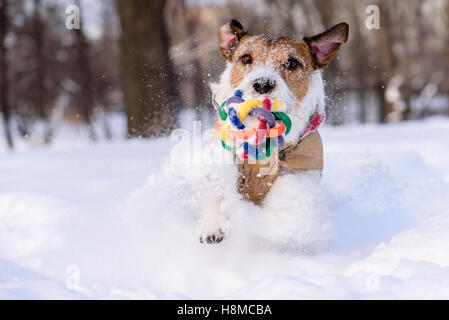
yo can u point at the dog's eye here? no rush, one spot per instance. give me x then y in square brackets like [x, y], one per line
[292, 64]
[246, 59]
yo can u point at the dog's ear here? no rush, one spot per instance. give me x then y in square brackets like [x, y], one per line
[324, 46]
[229, 36]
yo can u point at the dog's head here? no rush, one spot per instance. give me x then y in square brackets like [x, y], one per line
[279, 69]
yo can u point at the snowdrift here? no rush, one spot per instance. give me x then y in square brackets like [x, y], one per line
[119, 220]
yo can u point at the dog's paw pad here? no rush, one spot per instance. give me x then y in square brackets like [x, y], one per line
[213, 238]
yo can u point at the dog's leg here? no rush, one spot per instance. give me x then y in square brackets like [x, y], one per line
[213, 221]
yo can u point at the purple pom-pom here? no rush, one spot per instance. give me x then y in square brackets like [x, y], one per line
[265, 115]
[234, 100]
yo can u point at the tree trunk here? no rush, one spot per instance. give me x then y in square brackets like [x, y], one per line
[385, 72]
[447, 53]
[40, 78]
[334, 105]
[361, 73]
[85, 79]
[41, 68]
[199, 95]
[145, 68]
[3, 73]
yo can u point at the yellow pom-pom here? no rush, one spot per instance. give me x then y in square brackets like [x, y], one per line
[277, 105]
[246, 107]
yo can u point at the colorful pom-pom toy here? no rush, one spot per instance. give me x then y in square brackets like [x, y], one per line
[258, 143]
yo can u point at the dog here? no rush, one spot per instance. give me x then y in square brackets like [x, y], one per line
[274, 68]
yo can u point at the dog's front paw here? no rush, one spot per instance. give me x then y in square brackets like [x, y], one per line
[213, 238]
[212, 229]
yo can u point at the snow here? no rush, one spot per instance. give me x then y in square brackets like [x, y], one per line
[119, 220]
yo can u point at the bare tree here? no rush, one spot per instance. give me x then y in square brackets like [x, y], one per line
[40, 72]
[192, 18]
[334, 107]
[447, 53]
[145, 67]
[84, 79]
[3, 72]
[106, 80]
[34, 67]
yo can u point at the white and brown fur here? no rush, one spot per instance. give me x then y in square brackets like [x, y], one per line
[288, 70]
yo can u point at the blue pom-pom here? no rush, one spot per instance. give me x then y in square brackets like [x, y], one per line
[238, 93]
[235, 120]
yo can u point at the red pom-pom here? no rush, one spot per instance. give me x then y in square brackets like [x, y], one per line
[267, 104]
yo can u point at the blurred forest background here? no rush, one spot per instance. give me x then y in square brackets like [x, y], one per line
[149, 61]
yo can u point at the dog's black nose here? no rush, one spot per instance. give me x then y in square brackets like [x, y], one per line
[263, 85]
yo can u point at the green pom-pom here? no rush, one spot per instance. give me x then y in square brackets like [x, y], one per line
[285, 119]
[222, 112]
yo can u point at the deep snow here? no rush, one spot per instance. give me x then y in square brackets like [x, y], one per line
[122, 220]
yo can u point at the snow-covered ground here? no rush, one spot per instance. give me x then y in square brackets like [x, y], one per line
[117, 220]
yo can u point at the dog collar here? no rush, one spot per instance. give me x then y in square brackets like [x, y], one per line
[315, 121]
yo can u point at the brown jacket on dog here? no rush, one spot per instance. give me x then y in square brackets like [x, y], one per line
[306, 155]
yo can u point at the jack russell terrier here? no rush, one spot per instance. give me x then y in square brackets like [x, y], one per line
[282, 69]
